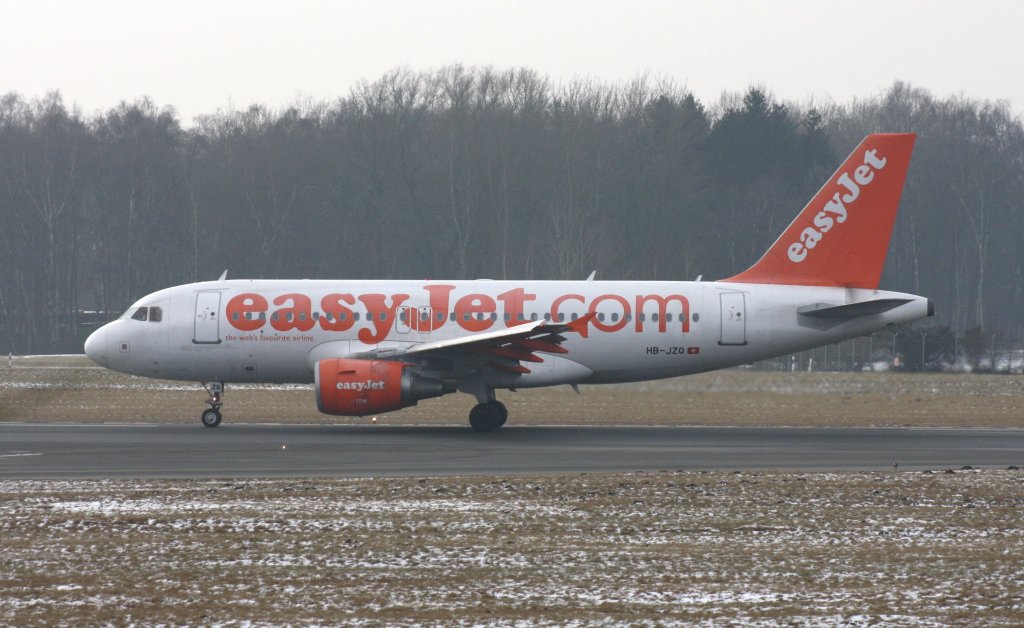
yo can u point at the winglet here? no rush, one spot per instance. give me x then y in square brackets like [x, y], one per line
[842, 236]
[223, 275]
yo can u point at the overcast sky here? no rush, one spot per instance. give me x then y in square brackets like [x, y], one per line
[203, 56]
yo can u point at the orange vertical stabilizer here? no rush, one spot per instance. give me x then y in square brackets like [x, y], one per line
[842, 236]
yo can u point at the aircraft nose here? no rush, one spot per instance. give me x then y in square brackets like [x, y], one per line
[96, 346]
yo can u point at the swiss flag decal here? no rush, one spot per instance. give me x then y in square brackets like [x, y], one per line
[692, 350]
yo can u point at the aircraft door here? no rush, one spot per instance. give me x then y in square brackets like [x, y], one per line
[207, 326]
[425, 314]
[405, 316]
[734, 323]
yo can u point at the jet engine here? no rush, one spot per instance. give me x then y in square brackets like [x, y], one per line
[350, 387]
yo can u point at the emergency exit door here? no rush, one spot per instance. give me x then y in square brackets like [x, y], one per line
[734, 319]
[414, 319]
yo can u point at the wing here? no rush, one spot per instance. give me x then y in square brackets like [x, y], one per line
[509, 350]
[505, 349]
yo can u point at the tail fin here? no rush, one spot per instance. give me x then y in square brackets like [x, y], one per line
[841, 237]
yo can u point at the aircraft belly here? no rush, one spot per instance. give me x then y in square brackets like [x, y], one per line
[628, 356]
[277, 364]
[555, 370]
[233, 364]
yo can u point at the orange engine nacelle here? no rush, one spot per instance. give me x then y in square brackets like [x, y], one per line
[349, 387]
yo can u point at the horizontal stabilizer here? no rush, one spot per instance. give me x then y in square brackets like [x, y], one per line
[850, 310]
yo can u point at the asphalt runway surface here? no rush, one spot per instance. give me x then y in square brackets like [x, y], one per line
[239, 450]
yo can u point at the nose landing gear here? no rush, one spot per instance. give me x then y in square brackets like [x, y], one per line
[211, 417]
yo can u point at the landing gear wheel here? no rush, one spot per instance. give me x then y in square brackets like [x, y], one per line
[211, 417]
[503, 410]
[487, 417]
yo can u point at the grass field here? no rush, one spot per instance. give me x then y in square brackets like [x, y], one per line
[71, 389]
[714, 549]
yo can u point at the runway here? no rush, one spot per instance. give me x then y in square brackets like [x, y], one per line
[238, 450]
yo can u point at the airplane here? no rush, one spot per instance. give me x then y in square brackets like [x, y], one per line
[371, 347]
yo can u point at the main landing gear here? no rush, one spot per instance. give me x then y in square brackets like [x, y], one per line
[488, 416]
[211, 416]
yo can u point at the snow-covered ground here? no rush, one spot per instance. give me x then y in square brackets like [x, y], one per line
[669, 548]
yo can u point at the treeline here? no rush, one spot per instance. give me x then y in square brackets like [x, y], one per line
[464, 173]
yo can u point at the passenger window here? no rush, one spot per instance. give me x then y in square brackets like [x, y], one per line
[155, 315]
[615, 317]
[668, 317]
[140, 314]
[696, 317]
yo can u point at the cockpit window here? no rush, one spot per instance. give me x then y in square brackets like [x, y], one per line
[152, 314]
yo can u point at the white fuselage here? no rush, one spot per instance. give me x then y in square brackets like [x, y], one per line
[274, 331]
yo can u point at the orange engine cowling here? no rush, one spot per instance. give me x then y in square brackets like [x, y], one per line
[349, 387]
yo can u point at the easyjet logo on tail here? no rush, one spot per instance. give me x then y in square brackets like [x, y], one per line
[837, 208]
